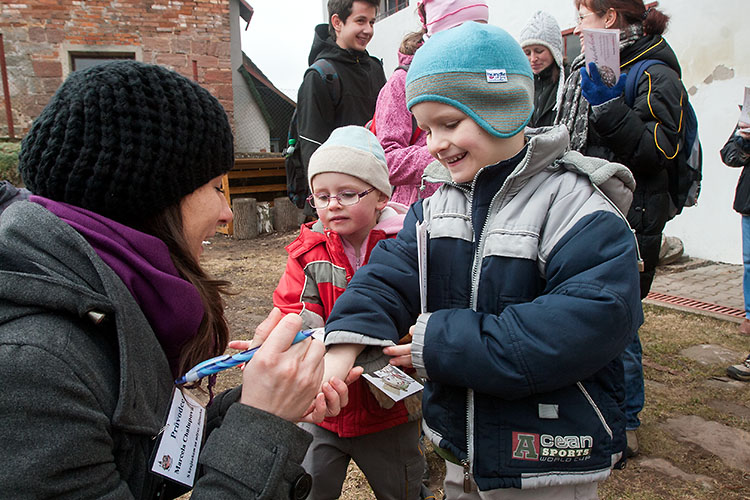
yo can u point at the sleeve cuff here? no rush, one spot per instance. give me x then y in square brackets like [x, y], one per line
[258, 450]
[372, 357]
[417, 345]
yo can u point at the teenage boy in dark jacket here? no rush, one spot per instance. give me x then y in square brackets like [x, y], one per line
[342, 43]
[736, 153]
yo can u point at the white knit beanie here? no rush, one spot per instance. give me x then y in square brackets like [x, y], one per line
[355, 151]
[542, 29]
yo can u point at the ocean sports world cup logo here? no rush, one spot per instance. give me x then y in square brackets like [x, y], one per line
[548, 448]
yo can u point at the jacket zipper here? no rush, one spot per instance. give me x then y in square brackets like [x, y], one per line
[466, 463]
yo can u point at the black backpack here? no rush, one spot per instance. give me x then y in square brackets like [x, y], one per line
[296, 172]
[686, 173]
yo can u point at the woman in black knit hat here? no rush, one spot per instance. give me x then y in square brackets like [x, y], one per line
[103, 304]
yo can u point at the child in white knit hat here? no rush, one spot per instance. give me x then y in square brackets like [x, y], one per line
[529, 276]
[348, 179]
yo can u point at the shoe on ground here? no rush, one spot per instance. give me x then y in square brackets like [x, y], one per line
[744, 328]
[740, 371]
[632, 449]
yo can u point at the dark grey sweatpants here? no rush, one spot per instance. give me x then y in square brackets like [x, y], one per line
[392, 461]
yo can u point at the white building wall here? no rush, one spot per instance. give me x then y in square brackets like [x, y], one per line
[706, 36]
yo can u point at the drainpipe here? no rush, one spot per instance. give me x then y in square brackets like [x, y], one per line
[6, 90]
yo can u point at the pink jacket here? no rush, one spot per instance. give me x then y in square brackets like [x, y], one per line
[394, 129]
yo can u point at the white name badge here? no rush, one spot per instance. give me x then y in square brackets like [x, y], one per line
[496, 76]
[177, 455]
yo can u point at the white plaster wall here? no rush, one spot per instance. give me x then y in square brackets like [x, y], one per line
[704, 35]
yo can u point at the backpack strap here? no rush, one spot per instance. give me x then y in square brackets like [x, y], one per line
[327, 72]
[634, 76]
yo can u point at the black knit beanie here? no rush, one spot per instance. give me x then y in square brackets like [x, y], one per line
[125, 140]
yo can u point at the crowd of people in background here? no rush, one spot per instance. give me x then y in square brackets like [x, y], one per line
[488, 219]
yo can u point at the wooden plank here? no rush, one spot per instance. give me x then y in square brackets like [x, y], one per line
[263, 188]
[252, 174]
[251, 168]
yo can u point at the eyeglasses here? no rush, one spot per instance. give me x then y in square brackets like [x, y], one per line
[580, 17]
[345, 198]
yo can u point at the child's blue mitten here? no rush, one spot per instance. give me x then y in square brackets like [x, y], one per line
[595, 90]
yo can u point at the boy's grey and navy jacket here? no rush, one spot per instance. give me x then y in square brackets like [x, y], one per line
[360, 76]
[83, 398]
[532, 294]
[736, 153]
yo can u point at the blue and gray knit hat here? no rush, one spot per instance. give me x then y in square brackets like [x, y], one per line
[479, 69]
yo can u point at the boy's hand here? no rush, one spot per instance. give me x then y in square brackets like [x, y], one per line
[334, 396]
[744, 130]
[401, 353]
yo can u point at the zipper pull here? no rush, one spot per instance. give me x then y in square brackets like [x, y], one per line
[467, 476]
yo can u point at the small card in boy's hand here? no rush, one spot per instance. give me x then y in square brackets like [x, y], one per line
[602, 47]
[393, 382]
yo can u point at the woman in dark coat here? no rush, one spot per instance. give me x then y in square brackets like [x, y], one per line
[103, 304]
[645, 138]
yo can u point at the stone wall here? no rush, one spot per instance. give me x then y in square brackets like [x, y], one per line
[40, 36]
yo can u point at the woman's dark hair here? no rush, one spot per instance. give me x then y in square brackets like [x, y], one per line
[213, 332]
[629, 12]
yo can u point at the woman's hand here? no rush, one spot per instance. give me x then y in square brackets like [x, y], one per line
[261, 332]
[595, 90]
[283, 378]
[743, 129]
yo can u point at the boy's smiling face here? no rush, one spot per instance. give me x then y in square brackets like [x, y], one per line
[456, 140]
[356, 32]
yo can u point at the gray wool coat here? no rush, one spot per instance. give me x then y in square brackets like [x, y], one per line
[81, 400]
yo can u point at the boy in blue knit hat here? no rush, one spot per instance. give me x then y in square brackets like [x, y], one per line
[529, 278]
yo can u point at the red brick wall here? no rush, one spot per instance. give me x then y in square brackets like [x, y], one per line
[172, 34]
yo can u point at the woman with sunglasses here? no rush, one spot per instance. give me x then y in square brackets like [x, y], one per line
[645, 137]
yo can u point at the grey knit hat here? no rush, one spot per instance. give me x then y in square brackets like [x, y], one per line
[126, 140]
[542, 29]
[355, 151]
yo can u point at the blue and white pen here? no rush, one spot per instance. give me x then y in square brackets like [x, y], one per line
[219, 363]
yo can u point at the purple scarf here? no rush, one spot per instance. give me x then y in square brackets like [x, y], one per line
[171, 305]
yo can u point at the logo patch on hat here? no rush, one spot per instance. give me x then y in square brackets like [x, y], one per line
[496, 76]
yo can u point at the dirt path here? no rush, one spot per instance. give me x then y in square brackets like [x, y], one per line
[695, 436]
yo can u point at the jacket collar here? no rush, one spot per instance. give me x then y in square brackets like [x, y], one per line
[61, 273]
